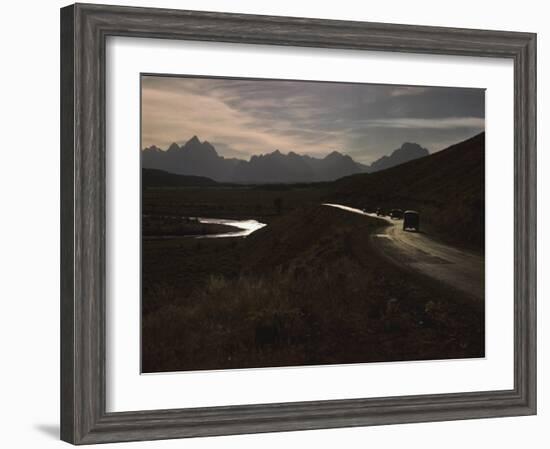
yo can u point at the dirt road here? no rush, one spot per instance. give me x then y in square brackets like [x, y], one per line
[455, 267]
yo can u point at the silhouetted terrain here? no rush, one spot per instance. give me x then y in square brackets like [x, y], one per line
[159, 178]
[310, 287]
[407, 152]
[194, 158]
[198, 158]
[447, 188]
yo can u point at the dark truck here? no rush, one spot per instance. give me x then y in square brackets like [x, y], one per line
[396, 214]
[411, 221]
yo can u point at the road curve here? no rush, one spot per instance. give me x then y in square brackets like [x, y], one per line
[455, 267]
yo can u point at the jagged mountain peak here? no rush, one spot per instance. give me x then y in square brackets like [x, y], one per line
[412, 147]
[334, 155]
[406, 152]
[199, 149]
[173, 147]
[153, 149]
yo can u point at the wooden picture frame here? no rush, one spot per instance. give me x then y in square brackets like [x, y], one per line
[84, 29]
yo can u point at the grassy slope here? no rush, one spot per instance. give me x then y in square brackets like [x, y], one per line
[447, 188]
[308, 289]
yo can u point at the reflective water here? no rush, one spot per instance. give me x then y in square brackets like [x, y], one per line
[244, 227]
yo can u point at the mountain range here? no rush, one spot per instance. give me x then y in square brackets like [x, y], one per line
[198, 158]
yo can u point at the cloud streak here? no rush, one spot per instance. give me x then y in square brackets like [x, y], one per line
[427, 124]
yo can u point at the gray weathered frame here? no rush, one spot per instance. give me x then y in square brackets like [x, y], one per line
[84, 29]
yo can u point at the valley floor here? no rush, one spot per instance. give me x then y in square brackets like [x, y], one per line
[308, 289]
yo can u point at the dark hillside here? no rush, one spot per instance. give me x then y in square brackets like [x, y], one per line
[151, 177]
[447, 188]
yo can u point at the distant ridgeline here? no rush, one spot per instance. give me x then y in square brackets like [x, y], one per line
[198, 158]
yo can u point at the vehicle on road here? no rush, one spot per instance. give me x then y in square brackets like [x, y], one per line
[411, 221]
[396, 214]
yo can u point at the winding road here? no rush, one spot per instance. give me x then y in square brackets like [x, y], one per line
[457, 268]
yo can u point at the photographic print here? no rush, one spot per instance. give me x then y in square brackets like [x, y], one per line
[294, 223]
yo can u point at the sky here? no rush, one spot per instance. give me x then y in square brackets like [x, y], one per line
[243, 117]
